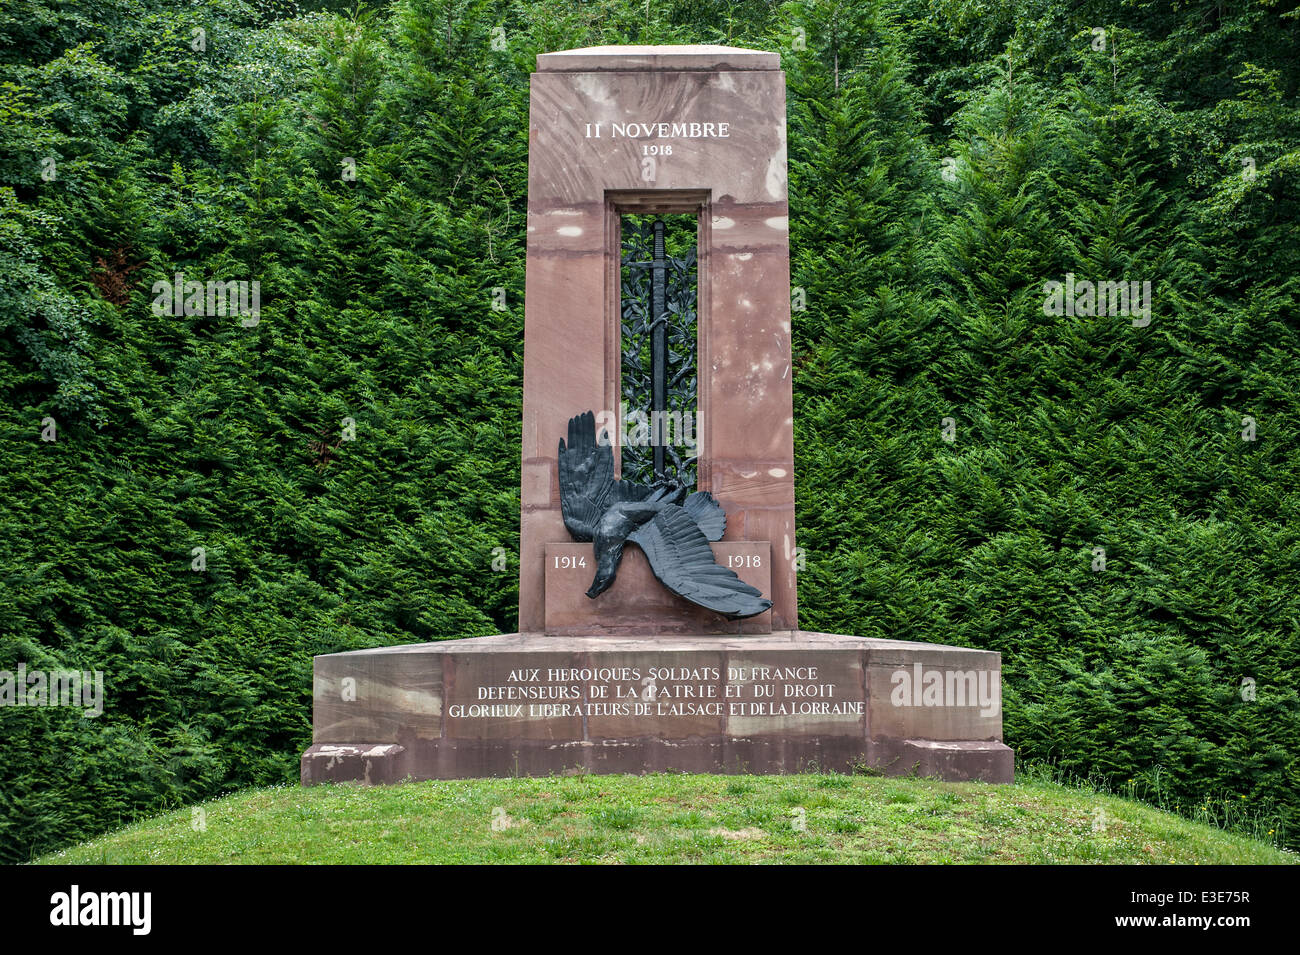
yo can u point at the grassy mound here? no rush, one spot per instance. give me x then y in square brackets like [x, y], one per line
[673, 819]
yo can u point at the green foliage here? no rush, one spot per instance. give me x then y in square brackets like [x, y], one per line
[947, 158]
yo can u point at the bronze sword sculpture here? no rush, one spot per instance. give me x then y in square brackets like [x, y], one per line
[672, 527]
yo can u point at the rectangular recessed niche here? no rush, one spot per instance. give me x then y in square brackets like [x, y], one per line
[658, 409]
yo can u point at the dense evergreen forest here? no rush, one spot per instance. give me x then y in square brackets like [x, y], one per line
[195, 504]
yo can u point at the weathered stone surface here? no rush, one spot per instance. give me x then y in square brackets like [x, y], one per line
[579, 183]
[648, 58]
[637, 604]
[783, 702]
[384, 692]
[370, 763]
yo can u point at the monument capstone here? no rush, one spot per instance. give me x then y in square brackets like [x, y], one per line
[682, 651]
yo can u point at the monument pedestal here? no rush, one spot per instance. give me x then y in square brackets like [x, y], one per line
[787, 702]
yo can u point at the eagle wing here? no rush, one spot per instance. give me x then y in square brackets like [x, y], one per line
[587, 485]
[682, 559]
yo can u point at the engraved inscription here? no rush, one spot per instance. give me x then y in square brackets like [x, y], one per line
[745, 691]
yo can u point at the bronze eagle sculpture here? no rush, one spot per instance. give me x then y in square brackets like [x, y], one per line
[672, 527]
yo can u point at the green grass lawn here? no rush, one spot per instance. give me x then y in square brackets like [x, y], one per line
[673, 818]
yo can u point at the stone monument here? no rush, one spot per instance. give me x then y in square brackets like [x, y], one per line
[636, 678]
